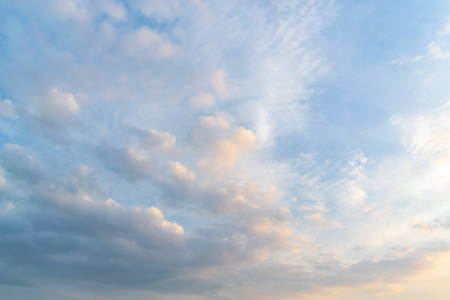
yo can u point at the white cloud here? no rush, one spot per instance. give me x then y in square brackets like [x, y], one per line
[8, 110]
[154, 140]
[427, 135]
[211, 125]
[319, 207]
[318, 219]
[263, 128]
[56, 108]
[145, 43]
[350, 189]
[180, 173]
[427, 138]
[317, 214]
[445, 30]
[223, 145]
[159, 9]
[437, 52]
[72, 9]
[352, 193]
[114, 9]
[411, 60]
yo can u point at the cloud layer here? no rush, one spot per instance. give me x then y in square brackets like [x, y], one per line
[222, 150]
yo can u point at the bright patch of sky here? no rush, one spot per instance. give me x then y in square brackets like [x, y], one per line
[224, 149]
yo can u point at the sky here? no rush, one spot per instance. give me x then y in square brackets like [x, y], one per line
[198, 149]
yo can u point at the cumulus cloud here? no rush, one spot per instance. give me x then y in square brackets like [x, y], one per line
[56, 109]
[154, 140]
[130, 162]
[21, 163]
[223, 145]
[227, 151]
[138, 160]
[90, 232]
[93, 231]
[180, 173]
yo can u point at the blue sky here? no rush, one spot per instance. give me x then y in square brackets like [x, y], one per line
[224, 149]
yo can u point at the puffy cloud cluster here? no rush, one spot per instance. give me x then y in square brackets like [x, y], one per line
[223, 145]
[107, 242]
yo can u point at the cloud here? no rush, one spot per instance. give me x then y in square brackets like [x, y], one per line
[223, 145]
[55, 109]
[212, 150]
[427, 135]
[138, 160]
[2, 179]
[445, 30]
[317, 214]
[328, 277]
[431, 226]
[114, 9]
[87, 233]
[180, 173]
[8, 110]
[437, 52]
[159, 9]
[400, 62]
[154, 140]
[319, 207]
[131, 162]
[72, 9]
[99, 240]
[350, 190]
[145, 43]
[21, 164]
[219, 83]
[202, 100]
[318, 219]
